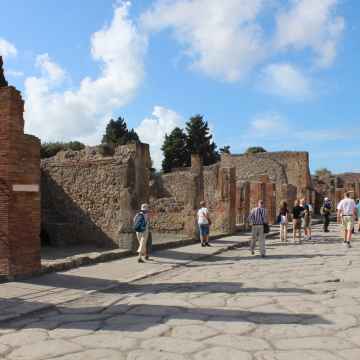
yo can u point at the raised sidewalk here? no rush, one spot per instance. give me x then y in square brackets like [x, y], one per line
[18, 298]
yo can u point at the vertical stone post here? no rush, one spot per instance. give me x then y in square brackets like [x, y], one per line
[242, 202]
[196, 194]
[19, 189]
[226, 209]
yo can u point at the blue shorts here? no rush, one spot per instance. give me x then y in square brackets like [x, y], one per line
[204, 229]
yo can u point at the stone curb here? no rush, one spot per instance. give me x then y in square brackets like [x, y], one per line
[110, 255]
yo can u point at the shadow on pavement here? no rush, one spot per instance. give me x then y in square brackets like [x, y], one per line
[140, 317]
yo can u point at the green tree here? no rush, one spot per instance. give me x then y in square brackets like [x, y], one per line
[175, 150]
[255, 150]
[225, 149]
[117, 133]
[199, 140]
[323, 172]
[49, 149]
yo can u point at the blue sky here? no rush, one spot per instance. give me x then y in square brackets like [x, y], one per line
[282, 74]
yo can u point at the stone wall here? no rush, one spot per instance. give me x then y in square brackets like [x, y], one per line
[284, 167]
[90, 198]
[19, 188]
[334, 187]
[175, 198]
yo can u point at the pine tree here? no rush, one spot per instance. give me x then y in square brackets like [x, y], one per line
[117, 133]
[175, 150]
[199, 140]
[255, 150]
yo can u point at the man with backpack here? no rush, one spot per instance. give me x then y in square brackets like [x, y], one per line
[142, 229]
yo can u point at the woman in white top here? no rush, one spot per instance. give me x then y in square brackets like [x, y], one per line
[204, 223]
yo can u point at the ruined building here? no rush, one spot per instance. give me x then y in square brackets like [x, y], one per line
[335, 186]
[90, 197]
[19, 187]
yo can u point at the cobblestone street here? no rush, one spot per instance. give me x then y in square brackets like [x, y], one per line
[302, 302]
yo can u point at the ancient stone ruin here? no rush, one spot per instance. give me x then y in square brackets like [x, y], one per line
[19, 187]
[91, 197]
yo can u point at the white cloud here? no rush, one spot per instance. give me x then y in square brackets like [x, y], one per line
[13, 73]
[268, 124]
[285, 80]
[7, 49]
[311, 24]
[273, 130]
[152, 130]
[55, 114]
[222, 38]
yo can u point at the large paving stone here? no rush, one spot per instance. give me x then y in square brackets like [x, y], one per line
[44, 350]
[296, 355]
[193, 332]
[71, 330]
[247, 302]
[244, 343]
[98, 354]
[172, 345]
[287, 331]
[352, 335]
[218, 353]
[313, 343]
[4, 349]
[353, 354]
[109, 340]
[23, 337]
[229, 326]
[138, 330]
[153, 355]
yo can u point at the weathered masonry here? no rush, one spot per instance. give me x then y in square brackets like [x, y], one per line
[91, 198]
[19, 187]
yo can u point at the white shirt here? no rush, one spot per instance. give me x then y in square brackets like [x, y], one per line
[203, 214]
[347, 206]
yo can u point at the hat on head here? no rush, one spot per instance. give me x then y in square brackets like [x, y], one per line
[144, 207]
[326, 199]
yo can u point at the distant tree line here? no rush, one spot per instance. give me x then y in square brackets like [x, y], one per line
[177, 148]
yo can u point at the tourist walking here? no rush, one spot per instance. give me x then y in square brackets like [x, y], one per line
[204, 223]
[325, 212]
[142, 228]
[297, 214]
[346, 213]
[258, 220]
[358, 213]
[306, 219]
[283, 220]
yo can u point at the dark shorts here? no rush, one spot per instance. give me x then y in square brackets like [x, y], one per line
[204, 230]
[297, 224]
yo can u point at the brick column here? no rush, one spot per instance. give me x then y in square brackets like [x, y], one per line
[19, 190]
[226, 195]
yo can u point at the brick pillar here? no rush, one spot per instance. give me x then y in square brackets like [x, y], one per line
[226, 207]
[19, 190]
[242, 202]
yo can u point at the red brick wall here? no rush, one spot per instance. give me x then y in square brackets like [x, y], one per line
[19, 210]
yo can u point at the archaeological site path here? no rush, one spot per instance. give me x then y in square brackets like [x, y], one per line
[302, 302]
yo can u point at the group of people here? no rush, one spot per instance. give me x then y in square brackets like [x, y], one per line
[301, 217]
[348, 212]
